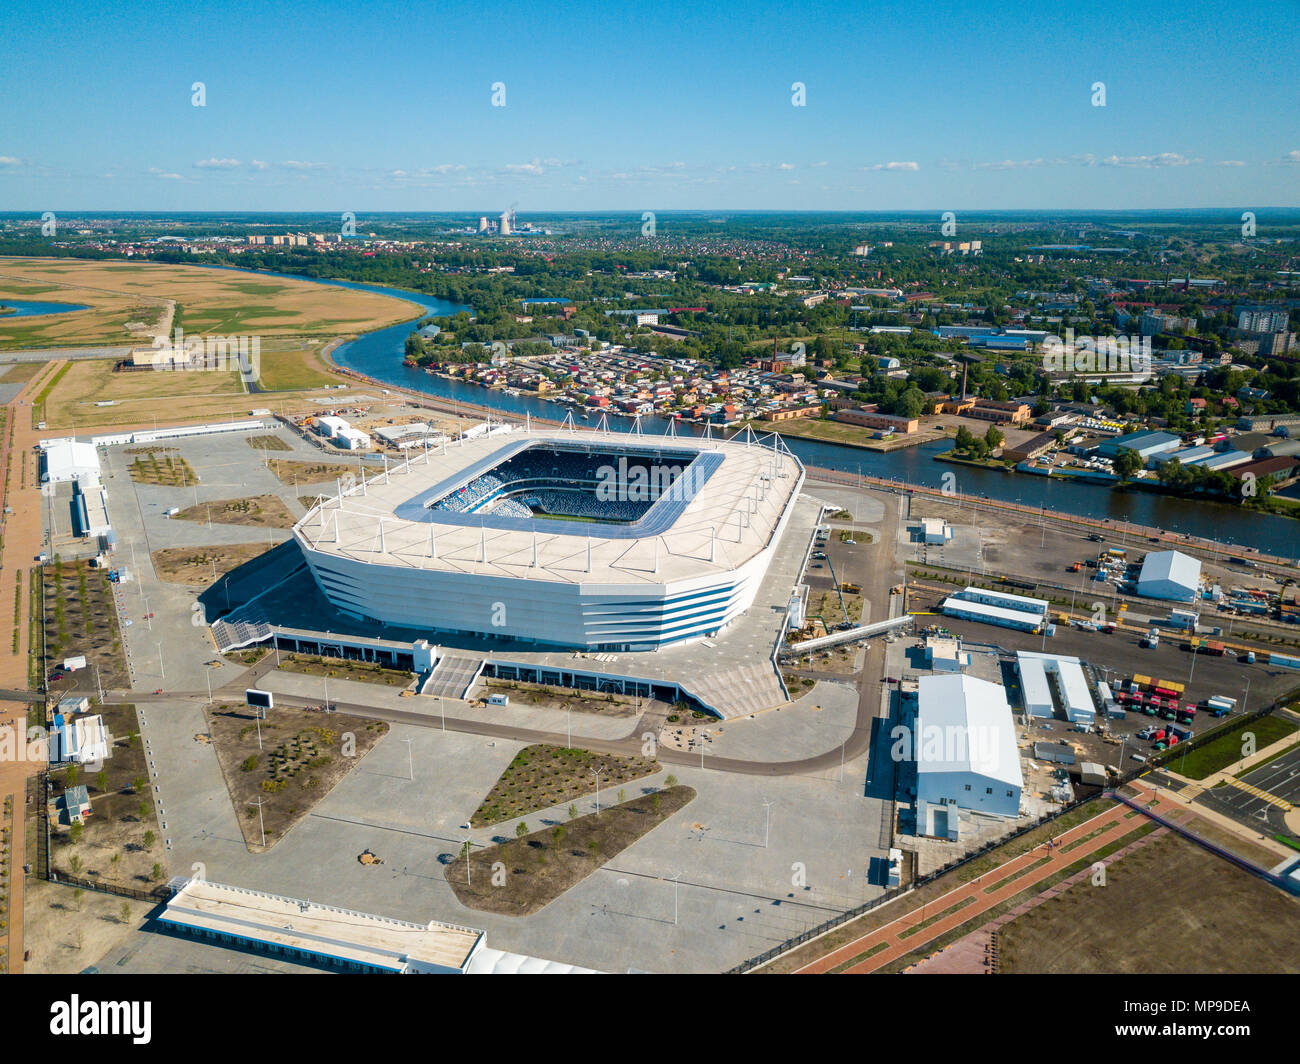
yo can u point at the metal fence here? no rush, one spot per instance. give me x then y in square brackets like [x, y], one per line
[1125, 777]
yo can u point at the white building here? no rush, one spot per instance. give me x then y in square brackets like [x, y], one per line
[1170, 574]
[330, 426]
[935, 530]
[996, 607]
[945, 655]
[1075, 699]
[352, 439]
[965, 746]
[1034, 687]
[67, 460]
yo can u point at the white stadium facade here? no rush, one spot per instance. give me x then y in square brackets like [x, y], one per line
[599, 541]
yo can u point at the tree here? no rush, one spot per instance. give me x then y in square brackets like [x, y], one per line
[521, 829]
[670, 780]
[1127, 462]
[124, 913]
[157, 870]
[74, 862]
[149, 840]
[994, 437]
[101, 780]
[139, 783]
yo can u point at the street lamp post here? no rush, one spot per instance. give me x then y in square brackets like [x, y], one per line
[410, 762]
[162, 672]
[596, 772]
[260, 822]
[767, 820]
[675, 877]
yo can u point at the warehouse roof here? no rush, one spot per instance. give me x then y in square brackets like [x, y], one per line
[1172, 566]
[985, 611]
[964, 725]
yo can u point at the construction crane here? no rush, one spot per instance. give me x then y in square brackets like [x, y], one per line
[836, 580]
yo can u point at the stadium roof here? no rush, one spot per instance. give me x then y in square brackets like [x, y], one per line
[723, 517]
[975, 710]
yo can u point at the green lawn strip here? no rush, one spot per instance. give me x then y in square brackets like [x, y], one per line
[1268, 760]
[1226, 749]
[949, 937]
[858, 958]
[918, 928]
[1016, 875]
[874, 919]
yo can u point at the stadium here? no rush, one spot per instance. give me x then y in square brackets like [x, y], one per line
[597, 541]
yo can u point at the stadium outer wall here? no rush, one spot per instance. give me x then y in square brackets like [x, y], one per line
[600, 616]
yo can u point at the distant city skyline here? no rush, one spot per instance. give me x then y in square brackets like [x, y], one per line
[903, 106]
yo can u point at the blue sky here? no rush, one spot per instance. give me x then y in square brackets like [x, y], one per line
[631, 106]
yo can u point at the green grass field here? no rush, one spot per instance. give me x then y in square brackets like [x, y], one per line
[1227, 748]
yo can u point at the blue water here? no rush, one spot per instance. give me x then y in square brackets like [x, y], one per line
[379, 355]
[28, 309]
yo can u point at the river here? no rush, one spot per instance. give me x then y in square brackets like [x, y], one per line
[379, 355]
[24, 308]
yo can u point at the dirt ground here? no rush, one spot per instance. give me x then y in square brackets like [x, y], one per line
[292, 472]
[66, 931]
[268, 443]
[159, 467]
[82, 622]
[112, 846]
[259, 511]
[345, 669]
[541, 776]
[303, 754]
[1168, 907]
[220, 302]
[562, 698]
[541, 866]
[193, 566]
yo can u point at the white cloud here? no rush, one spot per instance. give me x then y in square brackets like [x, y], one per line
[297, 164]
[165, 175]
[822, 163]
[218, 164]
[258, 164]
[786, 166]
[1231, 162]
[893, 166]
[533, 167]
[1291, 157]
[9, 160]
[1148, 162]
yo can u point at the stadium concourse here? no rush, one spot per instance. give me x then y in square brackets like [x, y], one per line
[630, 542]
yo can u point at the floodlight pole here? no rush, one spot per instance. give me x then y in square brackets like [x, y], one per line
[596, 772]
[767, 820]
[161, 671]
[675, 877]
[410, 763]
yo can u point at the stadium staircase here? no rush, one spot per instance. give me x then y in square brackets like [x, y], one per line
[739, 691]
